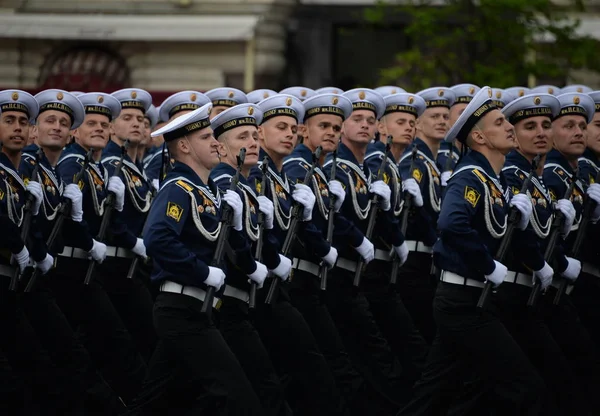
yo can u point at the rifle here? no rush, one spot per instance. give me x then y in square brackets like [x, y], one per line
[588, 208]
[226, 219]
[136, 260]
[372, 212]
[324, 270]
[110, 205]
[27, 216]
[552, 240]
[264, 168]
[294, 224]
[510, 228]
[65, 212]
[408, 202]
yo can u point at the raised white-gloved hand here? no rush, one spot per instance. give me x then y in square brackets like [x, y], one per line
[303, 195]
[156, 184]
[366, 250]
[566, 207]
[235, 202]
[215, 278]
[412, 187]
[401, 252]
[445, 176]
[98, 251]
[544, 275]
[331, 257]
[22, 258]
[498, 275]
[35, 189]
[117, 187]
[259, 275]
[336, 188]
[73, 193]
[384, 192]
[283, 269]
[573, 269]
[265, 205]
[593, 192]
[46, 264]
[522, 202]
[140, 248]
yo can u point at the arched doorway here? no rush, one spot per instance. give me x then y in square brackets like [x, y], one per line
[85, 68]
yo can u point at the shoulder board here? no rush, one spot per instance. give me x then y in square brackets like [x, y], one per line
[376, 153]
[184, 185]
[222, 177]
[300, 161]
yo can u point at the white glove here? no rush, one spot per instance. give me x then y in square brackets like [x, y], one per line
[593, 192]
[498, 275]
[215, 278]
[46, 264]
[384, 192]
[412, 187]
[259, 275]
[544, 275]
[445, 176]
[401, 252]
[336, 188]
[35, 189]
[98, 251]
[522, 202]
[156, 184]
[139, 248]
[22, 259]
[117, 187]
[283, 269]
[331, 257]
[366, 250]
[73, 193]
[566, 207]
[304, 196]
[573, 269]
[265, 205]
[235, 202]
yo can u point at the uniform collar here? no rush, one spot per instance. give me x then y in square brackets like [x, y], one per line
[515, 158]
[344, 152]
[113, 149]
[556, 157]
[6, 161]
[421, 147]
[301, 151]
[272, 166]
[476, 158]
[589, 154]
[226, 169]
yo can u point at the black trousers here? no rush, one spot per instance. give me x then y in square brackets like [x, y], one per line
[193, 371]
[585, 298]
[469, 341]
[104, 334]
[295, 353]
[368, 348]
[244, 341]
[361, 396]
[416, 287]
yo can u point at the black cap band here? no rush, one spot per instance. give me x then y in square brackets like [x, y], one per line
[183, 107]
[58, 107]
[330, 109]
[232, 124]
[477, 115]
[187, 129]
[98, 109]
[14, 107]
[133, 104]
[572, 110]
[530, 112]
[401, 108]
[280, 111]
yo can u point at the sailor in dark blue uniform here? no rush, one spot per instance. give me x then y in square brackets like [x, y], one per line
[146, 146]
[423, 182]
[472, 221]
[181, 234]
[316, 392]
[223, 98]
[90, 308]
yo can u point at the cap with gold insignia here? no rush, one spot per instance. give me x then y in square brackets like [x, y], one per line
[185, 124]
[595, 95]
[573, 103]
[100, 103]
[532, 105]
[329, 90]
[389, 90]
[576, 88]
[545, 89]
[241, 115]
[501, 98]
[437, 97]
[257, 96]
[133, 98]
[464, 93]
[328, 104]
[366, 99]
[64, 101]
[77, 93]
[516, 92]
[182, 101]
[301, 93]
[17, 100]
[282, 105]
[152, 116]
[404, 103]
[226, 97]
[481, 104]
